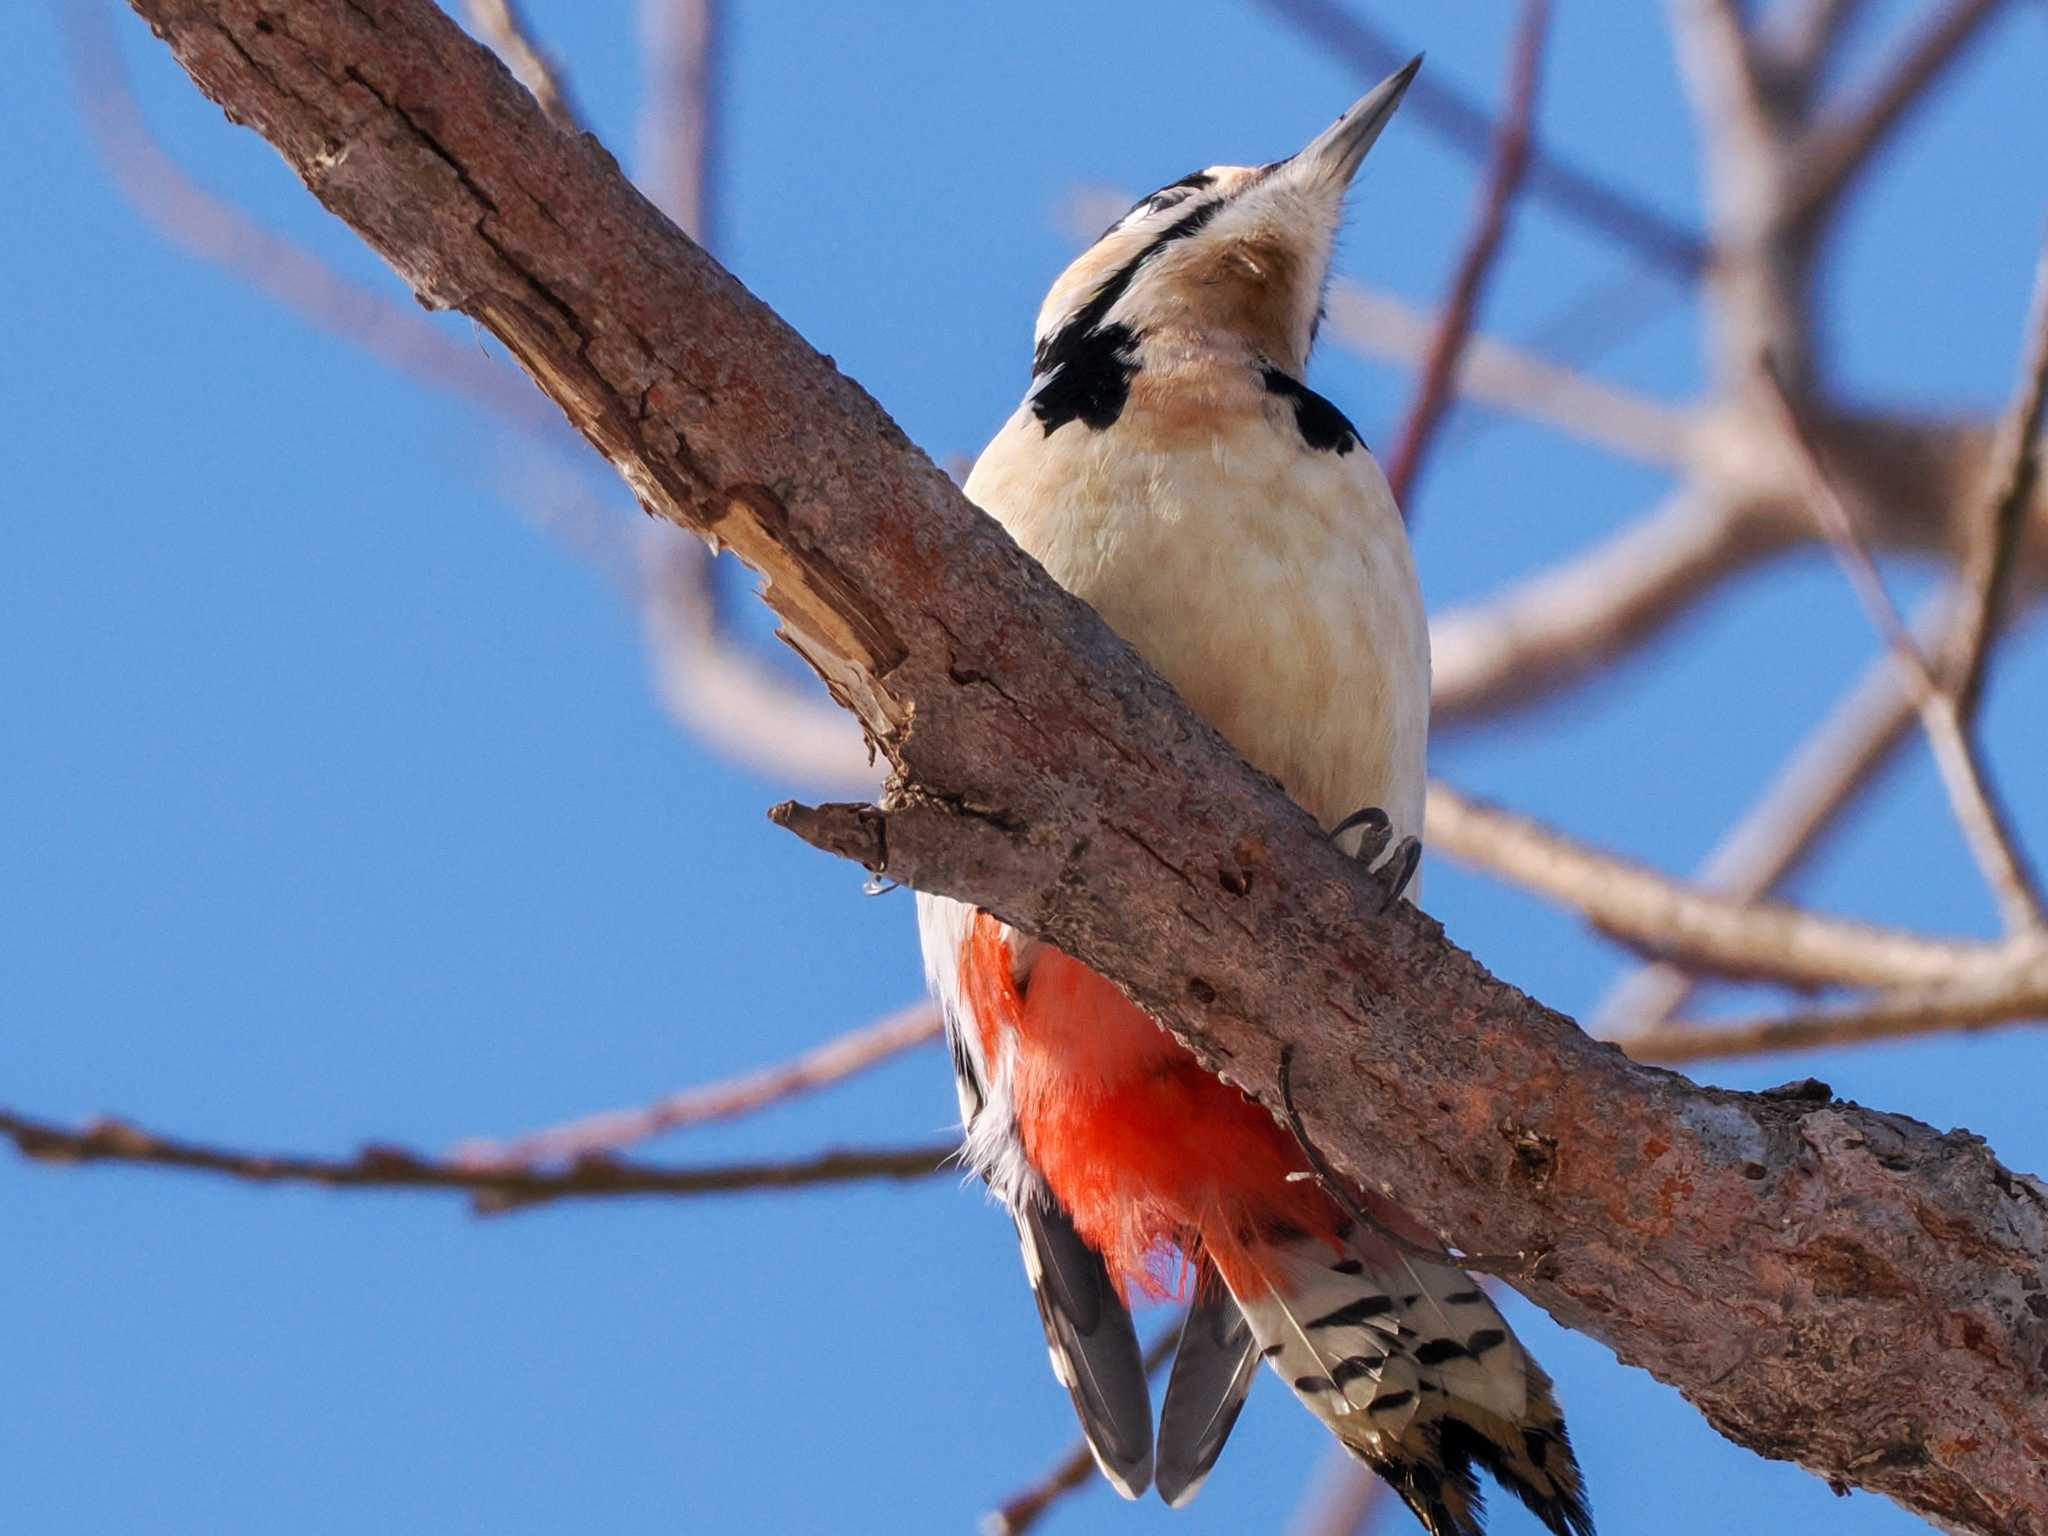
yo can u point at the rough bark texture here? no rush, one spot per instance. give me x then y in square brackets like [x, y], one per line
[1845, 1288]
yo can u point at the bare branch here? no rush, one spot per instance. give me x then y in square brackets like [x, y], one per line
[834, 1061]
[382, 1166]
[1978, 811]
[1504, 175]
[1782, 831]
[1468, 127]
[1838, 151]
[1844, 537]
[1889, 1016]
[1802, 35]
[1713, 43]
[499, 23]
[1025, 1508]
[1043, 772]
[2010, 478]
[1658, 915]
[678, 137]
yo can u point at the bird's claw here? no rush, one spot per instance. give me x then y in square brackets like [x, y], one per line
[1391, 869]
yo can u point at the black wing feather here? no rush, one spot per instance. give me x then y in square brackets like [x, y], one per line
[1212, 1371]
[1094, 1347]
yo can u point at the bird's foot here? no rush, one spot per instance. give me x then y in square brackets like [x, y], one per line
[1391, 868]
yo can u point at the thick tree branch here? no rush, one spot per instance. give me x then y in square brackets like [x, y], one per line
[1826, 1283]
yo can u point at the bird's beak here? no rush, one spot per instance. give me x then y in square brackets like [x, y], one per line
[1333, 158]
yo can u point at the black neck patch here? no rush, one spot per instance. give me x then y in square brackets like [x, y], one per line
[1322, 426]
[1085, 368]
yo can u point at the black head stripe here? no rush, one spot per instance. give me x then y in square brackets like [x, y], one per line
[1085, 368]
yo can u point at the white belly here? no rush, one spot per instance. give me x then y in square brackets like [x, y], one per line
[1269, 582]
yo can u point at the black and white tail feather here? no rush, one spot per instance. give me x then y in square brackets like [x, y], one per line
[1416, 1372]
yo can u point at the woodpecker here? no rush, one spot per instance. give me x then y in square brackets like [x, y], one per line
[1170, 466]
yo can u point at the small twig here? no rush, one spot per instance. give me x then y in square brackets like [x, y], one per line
[1716, 52]
[499, 23]
[1994, 538]
[1846, 539]
[1972, 798]
[832, 1062]
[1468, 127]
[379, 1166]
[1838, 151]
[1340, 1191]
[1509, 161]
[1025, 1508]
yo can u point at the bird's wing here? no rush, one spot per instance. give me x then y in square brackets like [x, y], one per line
[1213, 1367]
[978, 970]
[1093, 1346]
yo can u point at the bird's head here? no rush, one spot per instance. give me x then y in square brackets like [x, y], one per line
[1234, 258]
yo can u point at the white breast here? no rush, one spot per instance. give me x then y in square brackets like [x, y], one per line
[1271, 583]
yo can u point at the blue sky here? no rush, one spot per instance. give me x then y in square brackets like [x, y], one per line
[335, 801]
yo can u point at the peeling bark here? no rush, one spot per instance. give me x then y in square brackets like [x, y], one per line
[1845, 1288]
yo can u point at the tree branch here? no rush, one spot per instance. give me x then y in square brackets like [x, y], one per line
[1027, 1506]
[2011, 474]
[493, 1189]
[834, 1061]
[1503, 177]
[1973, 799]
[678, 136]
[499, 23]
[1781, 833]
[1830, 162]
[1889, 1016]
[1824, 1282]
[1709, 931]
[1596, 205]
